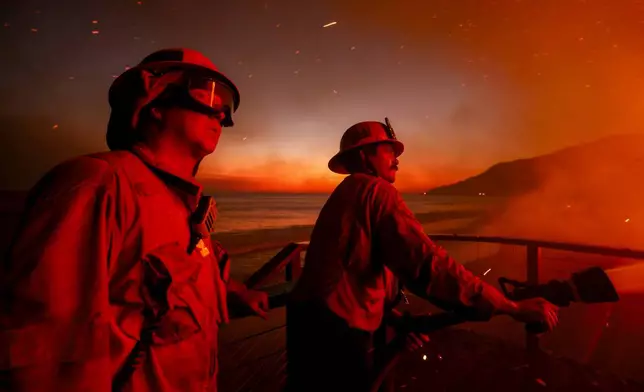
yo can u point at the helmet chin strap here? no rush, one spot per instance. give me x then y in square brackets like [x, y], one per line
[196, 168]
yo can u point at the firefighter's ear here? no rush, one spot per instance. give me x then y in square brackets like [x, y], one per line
[364, 156]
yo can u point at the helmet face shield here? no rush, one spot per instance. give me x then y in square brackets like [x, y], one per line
[215, 95]
[198, 91]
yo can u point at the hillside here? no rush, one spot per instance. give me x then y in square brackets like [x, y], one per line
[590, 193]
[615, 161]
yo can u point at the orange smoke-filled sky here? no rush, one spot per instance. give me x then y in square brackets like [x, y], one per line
[466, 83]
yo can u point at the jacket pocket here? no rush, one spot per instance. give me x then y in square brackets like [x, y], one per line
[171, 294]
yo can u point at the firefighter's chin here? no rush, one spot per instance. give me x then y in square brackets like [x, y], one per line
[207, 145]
[390, 175]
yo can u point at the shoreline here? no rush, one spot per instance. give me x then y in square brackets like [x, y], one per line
[249, 241]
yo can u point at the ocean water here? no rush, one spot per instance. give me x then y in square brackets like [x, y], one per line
[251, 211]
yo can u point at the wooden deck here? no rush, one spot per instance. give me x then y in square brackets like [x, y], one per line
[252, 354]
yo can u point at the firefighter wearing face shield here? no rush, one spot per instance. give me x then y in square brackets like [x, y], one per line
[112, 281]
[366, 241]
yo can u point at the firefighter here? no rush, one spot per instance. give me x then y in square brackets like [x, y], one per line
[364, 241]
[112, 282]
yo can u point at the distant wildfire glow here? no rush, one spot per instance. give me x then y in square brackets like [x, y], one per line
[467, 85]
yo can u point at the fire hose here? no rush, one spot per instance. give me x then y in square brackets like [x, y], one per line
[588, 286]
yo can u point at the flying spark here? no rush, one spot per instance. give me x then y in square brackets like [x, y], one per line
[330, 24]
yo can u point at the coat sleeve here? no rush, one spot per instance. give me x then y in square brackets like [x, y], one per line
[55, 324]
[425, 268]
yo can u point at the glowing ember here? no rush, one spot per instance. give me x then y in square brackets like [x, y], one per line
[424, 357]
[627, 220]
[330, 24]
[489, 269]
[95, 32]
[55, 126]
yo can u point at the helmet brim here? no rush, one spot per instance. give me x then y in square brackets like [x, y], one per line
[337, 163]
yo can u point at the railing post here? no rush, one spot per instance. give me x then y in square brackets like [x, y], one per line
[532, 267]
[294, 266]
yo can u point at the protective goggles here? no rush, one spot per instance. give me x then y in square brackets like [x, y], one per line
[206, 94]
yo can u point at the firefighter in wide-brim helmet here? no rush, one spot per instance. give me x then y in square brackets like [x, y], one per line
[368, 146]
[365, 241]
[366, 133]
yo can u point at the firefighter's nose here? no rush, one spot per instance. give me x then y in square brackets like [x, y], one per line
[218, 116]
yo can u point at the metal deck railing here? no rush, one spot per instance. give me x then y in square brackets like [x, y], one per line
[265, 367]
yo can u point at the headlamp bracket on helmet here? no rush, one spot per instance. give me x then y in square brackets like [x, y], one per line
[389, 129]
